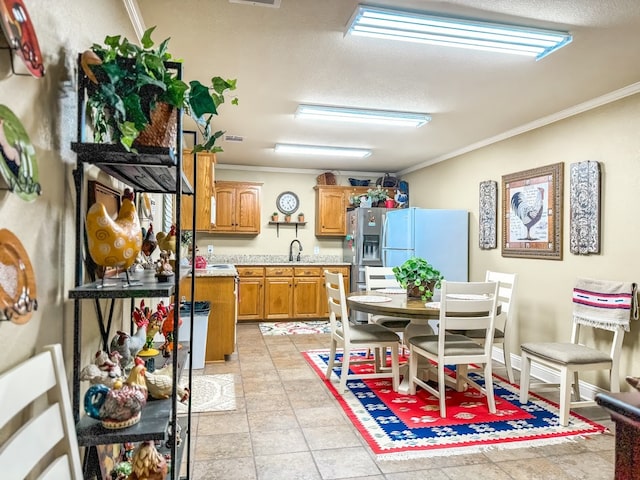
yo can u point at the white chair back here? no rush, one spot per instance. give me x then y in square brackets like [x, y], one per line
[380, 277]
[35, 403]
[337, 302]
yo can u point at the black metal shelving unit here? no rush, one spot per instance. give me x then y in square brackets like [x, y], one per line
[152, 170]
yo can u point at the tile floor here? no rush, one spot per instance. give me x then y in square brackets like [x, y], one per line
[288, 426]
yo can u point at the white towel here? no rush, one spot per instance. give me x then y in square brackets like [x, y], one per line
[604, 304]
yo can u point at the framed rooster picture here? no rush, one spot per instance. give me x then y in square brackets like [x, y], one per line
[532, 213]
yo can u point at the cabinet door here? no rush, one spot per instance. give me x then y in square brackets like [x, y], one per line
[225, 209]
[306, 297]
[278, 297]
[330, 212]
[247, 214]
[324, 305]
[251, 298]
[205, 191]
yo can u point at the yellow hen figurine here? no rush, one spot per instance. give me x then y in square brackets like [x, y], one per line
[114, 243]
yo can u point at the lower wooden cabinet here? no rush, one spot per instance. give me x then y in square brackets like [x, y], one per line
[220, 292]
[250, 293]
[283, 292]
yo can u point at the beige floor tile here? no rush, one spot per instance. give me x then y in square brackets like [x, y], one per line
[220, 423]
[278, 442]
[485, 472]
[333, 436]
[242, 468]
[290, 466]
[215, 447]
[276, 420]
[345, 463]
[321, 416]
[535, 469]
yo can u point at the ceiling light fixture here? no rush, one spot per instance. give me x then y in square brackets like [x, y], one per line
[322, 150]
[380, 117]
[453, 32]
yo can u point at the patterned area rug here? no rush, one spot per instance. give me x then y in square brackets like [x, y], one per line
[210, 393]
[294, 328]
[401, 426]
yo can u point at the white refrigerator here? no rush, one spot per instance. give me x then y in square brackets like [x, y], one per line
[439, 236]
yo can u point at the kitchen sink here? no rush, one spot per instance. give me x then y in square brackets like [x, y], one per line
[226, 266]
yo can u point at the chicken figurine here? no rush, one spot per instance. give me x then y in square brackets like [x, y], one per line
[160, 385]
[147, 463]
[127, 345]
[120, 406]
[167, 241]
[104, 370]
[114, 243]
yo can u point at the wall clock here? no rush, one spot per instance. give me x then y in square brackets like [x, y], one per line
[287, 202]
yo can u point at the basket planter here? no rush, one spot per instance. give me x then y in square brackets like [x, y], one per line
[162, 130]
[414, 291]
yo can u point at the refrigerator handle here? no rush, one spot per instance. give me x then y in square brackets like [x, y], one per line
[384, 241]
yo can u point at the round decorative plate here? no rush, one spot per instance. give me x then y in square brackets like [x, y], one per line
[370, 299]
[17, 157]
[21, 35]
[17, 281]
[393, 291]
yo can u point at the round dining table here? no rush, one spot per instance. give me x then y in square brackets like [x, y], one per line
[423, 316]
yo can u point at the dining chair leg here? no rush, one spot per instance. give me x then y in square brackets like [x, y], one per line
[461, 373]
[332, 358]
[395, 368]
[344, 372]
[413, 370]
[576, 386]
[488, 387]
[565, 396]
[525, 368]
[442, 391]
[506, 350]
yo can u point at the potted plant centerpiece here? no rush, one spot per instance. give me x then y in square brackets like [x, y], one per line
[131, 87]
[419, 277]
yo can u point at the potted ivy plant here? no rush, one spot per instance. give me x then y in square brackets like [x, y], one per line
[274, 217]
[419, 277]
[130, 86]
[377, 196]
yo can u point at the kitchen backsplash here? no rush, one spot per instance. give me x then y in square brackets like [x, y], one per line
[267, 259]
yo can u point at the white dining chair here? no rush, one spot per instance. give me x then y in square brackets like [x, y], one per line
[356, 337]
[463, 306]
[503, 331]
[36, 416]
[594, 308]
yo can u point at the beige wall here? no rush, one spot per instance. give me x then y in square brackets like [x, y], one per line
[47, 109]
[608, 135]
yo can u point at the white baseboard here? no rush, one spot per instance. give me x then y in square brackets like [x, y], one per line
[546, 374]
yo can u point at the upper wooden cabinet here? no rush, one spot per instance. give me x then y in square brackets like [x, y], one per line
[237, 208]
[332, 202]
[204, 182]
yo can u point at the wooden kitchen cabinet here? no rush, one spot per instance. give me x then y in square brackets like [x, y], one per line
[204, 178]
[332, 202]
[307, 285]
[250, 293]
[278, 285]
[220, 292]
[324, 305]
[237, 208]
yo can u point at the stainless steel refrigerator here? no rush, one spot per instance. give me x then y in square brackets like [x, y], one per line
[363, 246]
[439, 236]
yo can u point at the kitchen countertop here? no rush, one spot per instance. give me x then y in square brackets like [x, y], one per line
[261, 260]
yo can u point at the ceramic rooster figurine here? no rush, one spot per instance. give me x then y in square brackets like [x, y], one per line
[120, 406]
[147, 463]
[128, 346]
[104, 370]
[167, 241]
[160, 385]
[167, 331]
[114, 243]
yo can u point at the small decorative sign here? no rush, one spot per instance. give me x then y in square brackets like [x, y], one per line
[584, 204]
[488, 215]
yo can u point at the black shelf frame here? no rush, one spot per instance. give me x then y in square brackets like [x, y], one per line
[152, 170]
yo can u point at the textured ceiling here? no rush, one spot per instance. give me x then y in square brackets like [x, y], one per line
[298, 54]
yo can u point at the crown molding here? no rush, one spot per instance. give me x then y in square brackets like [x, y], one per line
[561, 115]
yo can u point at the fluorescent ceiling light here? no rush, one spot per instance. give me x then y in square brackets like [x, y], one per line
[322, 150]
[452, 32]
[380, 117]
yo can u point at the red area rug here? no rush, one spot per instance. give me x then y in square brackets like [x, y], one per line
[398, 426]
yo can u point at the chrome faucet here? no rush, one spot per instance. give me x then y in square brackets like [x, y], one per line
[291, 250]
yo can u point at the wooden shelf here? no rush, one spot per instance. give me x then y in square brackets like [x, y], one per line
[151, 169]
[278, 223]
